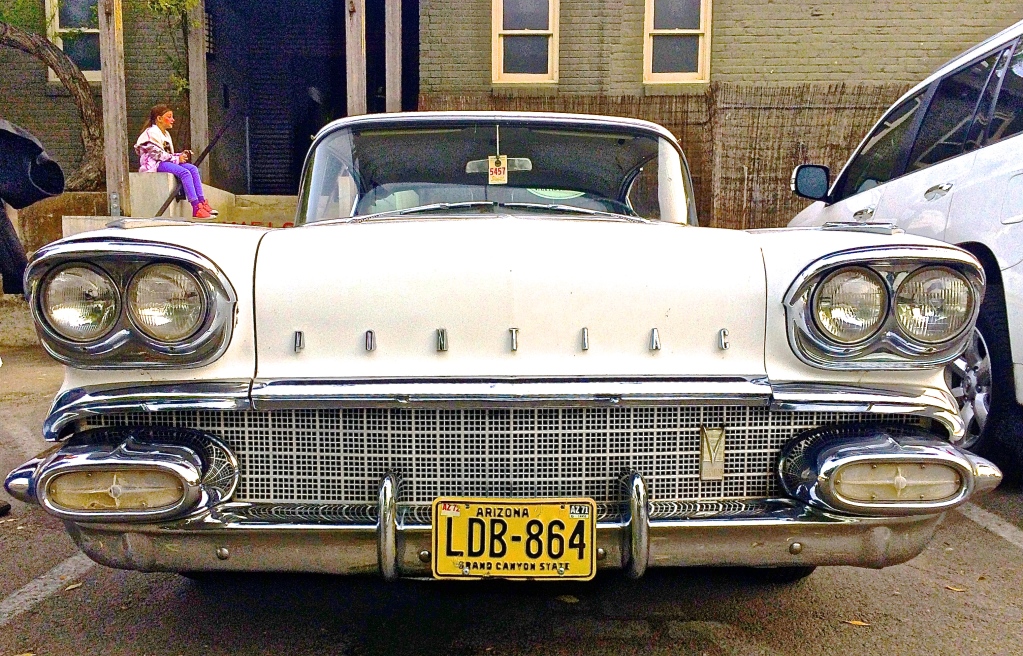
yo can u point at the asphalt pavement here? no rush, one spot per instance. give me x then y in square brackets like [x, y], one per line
[963, 595]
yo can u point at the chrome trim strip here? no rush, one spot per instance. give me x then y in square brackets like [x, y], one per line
[78, 403]
[889, 348]
[291, 394]
[930, 402]
[636, 551]
[387, 528]
[126, 347]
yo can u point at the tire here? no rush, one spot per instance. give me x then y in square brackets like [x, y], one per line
[982, 382]
[782, 575]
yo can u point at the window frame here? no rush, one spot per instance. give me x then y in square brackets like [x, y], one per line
[909, 139]
[702, 74]
[498, 33]
[1015, 47]
[53, 32]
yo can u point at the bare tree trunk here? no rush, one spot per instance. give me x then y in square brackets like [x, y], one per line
[90, 175]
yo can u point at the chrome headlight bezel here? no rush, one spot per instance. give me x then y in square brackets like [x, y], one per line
[125, 346]
[890, 347]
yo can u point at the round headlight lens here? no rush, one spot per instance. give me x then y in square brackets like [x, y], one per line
[850, 305]
[166, 302]
[80, 303]
[934, 305]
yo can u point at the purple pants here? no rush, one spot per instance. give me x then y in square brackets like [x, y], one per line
[189, 176]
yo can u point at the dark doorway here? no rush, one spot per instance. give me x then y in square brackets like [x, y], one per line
[276, 69]
[280, 66]
[376, 75]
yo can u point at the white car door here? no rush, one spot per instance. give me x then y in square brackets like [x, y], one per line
[865, 179]
[940, 158]
[988, 208]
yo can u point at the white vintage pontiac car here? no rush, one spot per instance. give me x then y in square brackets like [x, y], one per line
[498, 345]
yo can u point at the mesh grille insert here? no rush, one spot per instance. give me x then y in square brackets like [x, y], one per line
[340, 455]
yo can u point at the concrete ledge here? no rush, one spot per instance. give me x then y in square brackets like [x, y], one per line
[150, 190]
[16, 328]
[40, 224]
[73, 225]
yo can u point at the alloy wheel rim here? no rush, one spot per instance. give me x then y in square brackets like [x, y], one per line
[969, 379]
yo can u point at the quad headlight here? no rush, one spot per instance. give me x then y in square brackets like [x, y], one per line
[892, 307]
[166, 303]
[850, 305]
[934, 305]
[80, 304]
[121, 304]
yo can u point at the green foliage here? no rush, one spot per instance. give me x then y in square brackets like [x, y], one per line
[29, 15]
[175, 17]
[171, 8]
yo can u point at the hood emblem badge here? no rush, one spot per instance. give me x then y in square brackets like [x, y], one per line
[655, 340]
[442, 339]
[712, 454]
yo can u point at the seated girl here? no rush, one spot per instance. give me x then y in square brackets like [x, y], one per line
[156, 155]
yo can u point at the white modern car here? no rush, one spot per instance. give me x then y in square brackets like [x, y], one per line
[946, 161]
[498, 345]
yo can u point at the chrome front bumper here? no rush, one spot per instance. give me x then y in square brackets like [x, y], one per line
[391, 540]
[776, 533]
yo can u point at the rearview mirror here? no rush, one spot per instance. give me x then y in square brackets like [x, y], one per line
[514, 164]
[811, 181]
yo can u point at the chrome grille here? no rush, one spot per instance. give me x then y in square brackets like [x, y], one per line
[340, 455]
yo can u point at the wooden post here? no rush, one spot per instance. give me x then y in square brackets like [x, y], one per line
[115, 110]
[392, 54]
[198, 90]
[355, 56]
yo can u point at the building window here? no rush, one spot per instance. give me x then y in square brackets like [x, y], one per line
[676, 46]
[74, 28]
[525, 43]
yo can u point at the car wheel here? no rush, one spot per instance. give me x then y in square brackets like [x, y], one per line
[783, 575]
[969, 378]
[982, 382]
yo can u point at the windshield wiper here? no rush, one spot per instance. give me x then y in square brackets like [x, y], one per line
[432, 207]
[555, 207]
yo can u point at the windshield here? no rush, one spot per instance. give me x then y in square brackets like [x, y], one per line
[482, 167]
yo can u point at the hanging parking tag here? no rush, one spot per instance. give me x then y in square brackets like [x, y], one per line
[498, 168]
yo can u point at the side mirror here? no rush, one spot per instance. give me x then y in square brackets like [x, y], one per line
[811, 181]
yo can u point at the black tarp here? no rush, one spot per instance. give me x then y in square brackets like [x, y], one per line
[27, 175]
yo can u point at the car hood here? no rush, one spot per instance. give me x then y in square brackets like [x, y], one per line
[478, 279]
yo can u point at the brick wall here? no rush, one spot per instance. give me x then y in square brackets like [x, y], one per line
[43, 108]
[778, 41]
[899, 41]
[454, 45]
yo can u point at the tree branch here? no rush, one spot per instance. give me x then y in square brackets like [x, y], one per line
[91, 173]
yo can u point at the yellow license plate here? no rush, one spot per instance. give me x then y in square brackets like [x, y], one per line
[514, 538]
